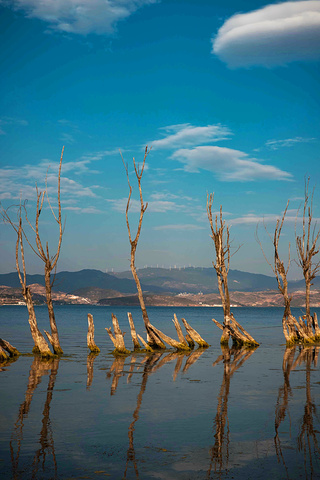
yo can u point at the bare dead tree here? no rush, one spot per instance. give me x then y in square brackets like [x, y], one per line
[152, 337]
[50, 261]
[291, 329]
[307, 249]
[40, 344]
[297, 331]
[220, 234]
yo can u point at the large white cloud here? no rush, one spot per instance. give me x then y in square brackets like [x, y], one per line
[79, 16]
[274, 35]
[185, 134]
[227, 164]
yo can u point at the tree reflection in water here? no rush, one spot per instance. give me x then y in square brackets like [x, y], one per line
[307, 438]
[151, 363]
[38, 368]
[233, 359]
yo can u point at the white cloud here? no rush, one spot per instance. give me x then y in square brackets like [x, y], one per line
[155, 206]
[89, 210]
[273, 35]
[186, 227]
[80, 16]
[185, 135]
[227, 163]
[287, 142]
[20, 181]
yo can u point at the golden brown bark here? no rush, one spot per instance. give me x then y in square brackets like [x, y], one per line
[153, 339]
[196, 337]
[12, 351]
[117, 337]
[90, 336]
[220, 234]
[135, 341]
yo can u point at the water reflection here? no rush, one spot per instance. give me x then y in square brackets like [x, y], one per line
[307, 440]
[150, 363]
[38, 369]
[233, 359]
[90, 361]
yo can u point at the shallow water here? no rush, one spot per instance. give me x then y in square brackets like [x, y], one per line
[212, 414]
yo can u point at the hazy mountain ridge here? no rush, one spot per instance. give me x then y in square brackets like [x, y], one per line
[155, 280]
[180, 287]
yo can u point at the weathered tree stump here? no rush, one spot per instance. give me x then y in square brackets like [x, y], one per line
[135, 341]
[239, 335]
[196, 337]
[117, 338]
[145, 344]
[90, 336]
[190, 341]
[3, 356]
[179, 346]
[12, 351]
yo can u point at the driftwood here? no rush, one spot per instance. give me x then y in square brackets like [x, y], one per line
[90, 336]
[117, 337]
[135, 341]
[12, 351]
[196, 337]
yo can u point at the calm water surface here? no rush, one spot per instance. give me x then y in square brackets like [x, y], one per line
[212, 414]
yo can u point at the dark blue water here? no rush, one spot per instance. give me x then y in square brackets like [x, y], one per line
[210, 414]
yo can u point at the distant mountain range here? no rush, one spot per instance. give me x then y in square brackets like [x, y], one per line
[155, 280]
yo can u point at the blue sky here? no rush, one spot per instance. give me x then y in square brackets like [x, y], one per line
[227, 95]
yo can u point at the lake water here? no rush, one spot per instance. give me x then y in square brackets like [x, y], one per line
[212, 414]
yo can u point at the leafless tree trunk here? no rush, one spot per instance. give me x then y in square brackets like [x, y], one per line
[40, 344]
[90, 336]
[153, 339]
[117, 338]
[220, 234]
[291, 332]
[307, 249]
[50, 261]
[12, 351]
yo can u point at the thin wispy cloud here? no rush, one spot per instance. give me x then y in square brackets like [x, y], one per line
[185, 135]
[273, 35]
[20, 181]
[86, 210]
[79, 16]
[9, 121]
[287, 142]
[227, 164]
[154, 206]
[182, 227]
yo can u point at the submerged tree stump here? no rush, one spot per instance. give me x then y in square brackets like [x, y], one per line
[179, 346]
[90, 336]
[135, 341]
[3, 356]
[145, 344]
[196, 337]
[240, 337]
[117, 337]
[12, 351]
